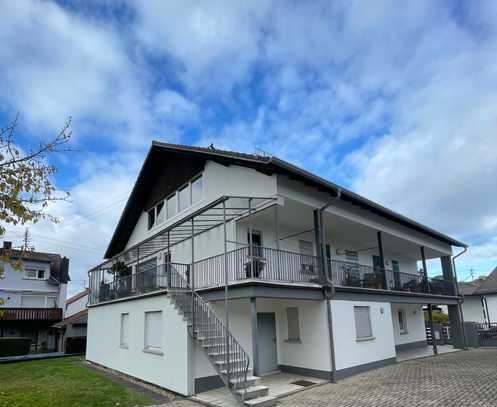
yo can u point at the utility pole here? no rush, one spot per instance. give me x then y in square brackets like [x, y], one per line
[27, 242]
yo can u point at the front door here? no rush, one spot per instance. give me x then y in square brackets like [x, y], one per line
[266, 342]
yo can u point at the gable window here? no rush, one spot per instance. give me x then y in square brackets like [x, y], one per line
[153, 331]
[35, 274]
[197, 187]
[362, 316]
[401, 314]
[151, 218]
[124, 330]
[171, 206]
[184, 198]
[292, 316]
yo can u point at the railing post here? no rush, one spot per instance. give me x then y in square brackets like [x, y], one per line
[192, 278]
[226, 301]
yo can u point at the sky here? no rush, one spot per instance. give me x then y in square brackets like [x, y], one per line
[394, 100]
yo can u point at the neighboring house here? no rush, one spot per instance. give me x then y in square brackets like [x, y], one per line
[34, 296]
[480, 299]
[72, 328]
[287, 272]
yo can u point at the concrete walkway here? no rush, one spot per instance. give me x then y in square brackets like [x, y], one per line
[423, 352]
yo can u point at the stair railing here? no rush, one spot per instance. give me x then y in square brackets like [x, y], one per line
[205, 326]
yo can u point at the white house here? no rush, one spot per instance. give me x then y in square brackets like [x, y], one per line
[480, 299]
[286, 272]
[34, 295]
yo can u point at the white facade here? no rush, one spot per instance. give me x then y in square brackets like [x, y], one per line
[76, 306]
[167, 367]
[180, 361]
[474, 308]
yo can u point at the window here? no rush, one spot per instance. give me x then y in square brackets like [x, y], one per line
[124, 330]
[159, 213]
[151, 218]
[38, 301]
[184, 198]
[171, 206]
[153, 331]
[402, 321]
[35, 274]
[197, 187]
[292, 316]
[362, 322]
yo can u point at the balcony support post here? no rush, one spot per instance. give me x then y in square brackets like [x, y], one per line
[226, 300]
[192, 278]
[251, 248]
[382, 258]
[277, 239]
[433, 339]
[456, 320]
[255, 348]
[168, 262]
[426, 282]
[318, 235]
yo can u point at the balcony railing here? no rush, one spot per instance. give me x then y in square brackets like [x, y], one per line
[24, 314]
[265, 264]
[260, 263]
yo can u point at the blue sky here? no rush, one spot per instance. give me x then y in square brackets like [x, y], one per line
[395, 100]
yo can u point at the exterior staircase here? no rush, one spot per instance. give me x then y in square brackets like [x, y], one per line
[225, 354]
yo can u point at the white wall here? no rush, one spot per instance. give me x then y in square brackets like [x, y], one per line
[415, 323]
[348, 351]
[472, 309]
[312, 353]
[492, 307]
[169, 370]
[76, 306]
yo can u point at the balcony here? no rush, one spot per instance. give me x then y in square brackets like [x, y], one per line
[268, 265]
[30, 314]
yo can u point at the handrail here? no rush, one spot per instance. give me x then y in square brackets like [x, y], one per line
[203, 321]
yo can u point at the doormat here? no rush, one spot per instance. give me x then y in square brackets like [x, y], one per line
[303, 383]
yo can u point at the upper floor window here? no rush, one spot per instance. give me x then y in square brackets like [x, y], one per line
[35, 274]
[177, 202]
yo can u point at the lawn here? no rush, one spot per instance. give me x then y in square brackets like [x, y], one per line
[61, 383]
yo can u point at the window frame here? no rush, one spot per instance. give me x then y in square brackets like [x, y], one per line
[401, 313]
[356, 323]
[147, 347]
[124, 335]
[36, 270]
[291, 338]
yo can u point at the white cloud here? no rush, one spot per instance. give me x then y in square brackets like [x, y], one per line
[56, 64]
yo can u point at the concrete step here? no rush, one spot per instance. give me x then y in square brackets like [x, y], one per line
[266, 401]
[241, 383]
[222, 363]
[253, 392]
[220, 355]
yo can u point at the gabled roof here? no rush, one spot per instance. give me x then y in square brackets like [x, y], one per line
[481, 286]
[80, 317]
[162, 152]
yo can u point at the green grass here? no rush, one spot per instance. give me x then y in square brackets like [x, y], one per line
[63, 382]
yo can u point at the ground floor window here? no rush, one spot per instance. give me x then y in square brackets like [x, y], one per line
[363, 326]
[124, 330]
[401, 314]
[153, 330]
[292, 315]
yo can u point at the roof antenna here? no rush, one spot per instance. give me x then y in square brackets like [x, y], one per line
[211, 146]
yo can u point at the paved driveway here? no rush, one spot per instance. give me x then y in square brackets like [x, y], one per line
[466, 378]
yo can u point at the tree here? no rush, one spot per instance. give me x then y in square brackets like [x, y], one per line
[26, 186]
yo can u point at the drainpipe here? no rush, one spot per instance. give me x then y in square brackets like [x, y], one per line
[329, 290]
[465, 249]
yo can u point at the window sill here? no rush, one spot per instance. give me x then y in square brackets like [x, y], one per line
[123, 346]
[404, 333]
[293, 340]
[365, 339]
[153, 351]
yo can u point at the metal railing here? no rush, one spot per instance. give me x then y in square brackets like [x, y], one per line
[225, 353]
[350, 274]
[260, 263]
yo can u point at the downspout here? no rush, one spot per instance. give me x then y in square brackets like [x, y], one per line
[329, 289]
[465, 249]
